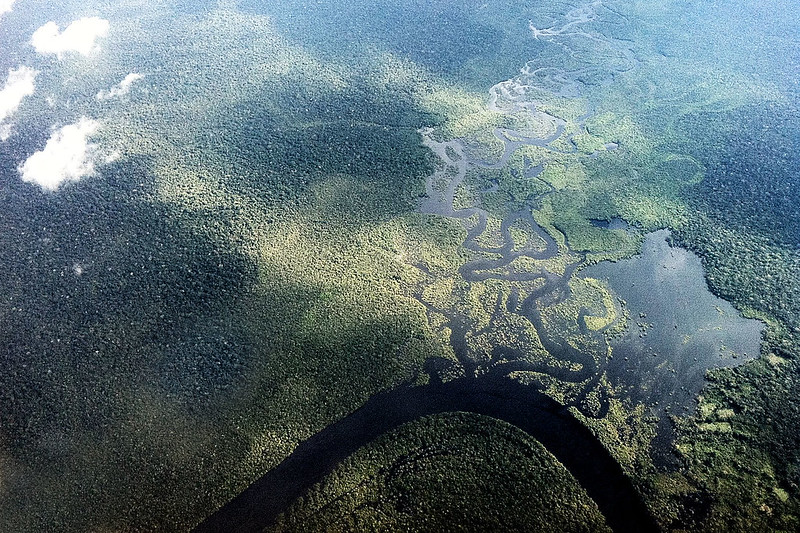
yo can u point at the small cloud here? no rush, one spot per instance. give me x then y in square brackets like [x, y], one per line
[116, 155]
[122, 88]
[19, 84]
[79, 37]
[67, 156]
[5, 6]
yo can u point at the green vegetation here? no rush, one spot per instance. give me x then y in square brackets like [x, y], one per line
[447, 472]
[252, 267]
[253, 250]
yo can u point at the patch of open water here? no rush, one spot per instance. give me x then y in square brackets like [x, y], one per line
[678, 329]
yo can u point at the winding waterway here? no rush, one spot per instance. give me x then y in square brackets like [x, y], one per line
[550, 423]
[486, 388]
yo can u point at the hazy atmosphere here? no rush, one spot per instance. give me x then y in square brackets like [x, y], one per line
[408, 265]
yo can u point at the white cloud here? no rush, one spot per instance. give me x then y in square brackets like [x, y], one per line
[79, 36]
[5, 6]
[67, 156]
[19, 84]
[122, 88]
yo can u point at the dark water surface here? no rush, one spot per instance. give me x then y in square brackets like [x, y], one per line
[678, 329]
[522, 406]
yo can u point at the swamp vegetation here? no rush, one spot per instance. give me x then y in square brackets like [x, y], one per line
[298, 207]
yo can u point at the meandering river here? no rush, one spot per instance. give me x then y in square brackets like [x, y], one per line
[653, 290]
